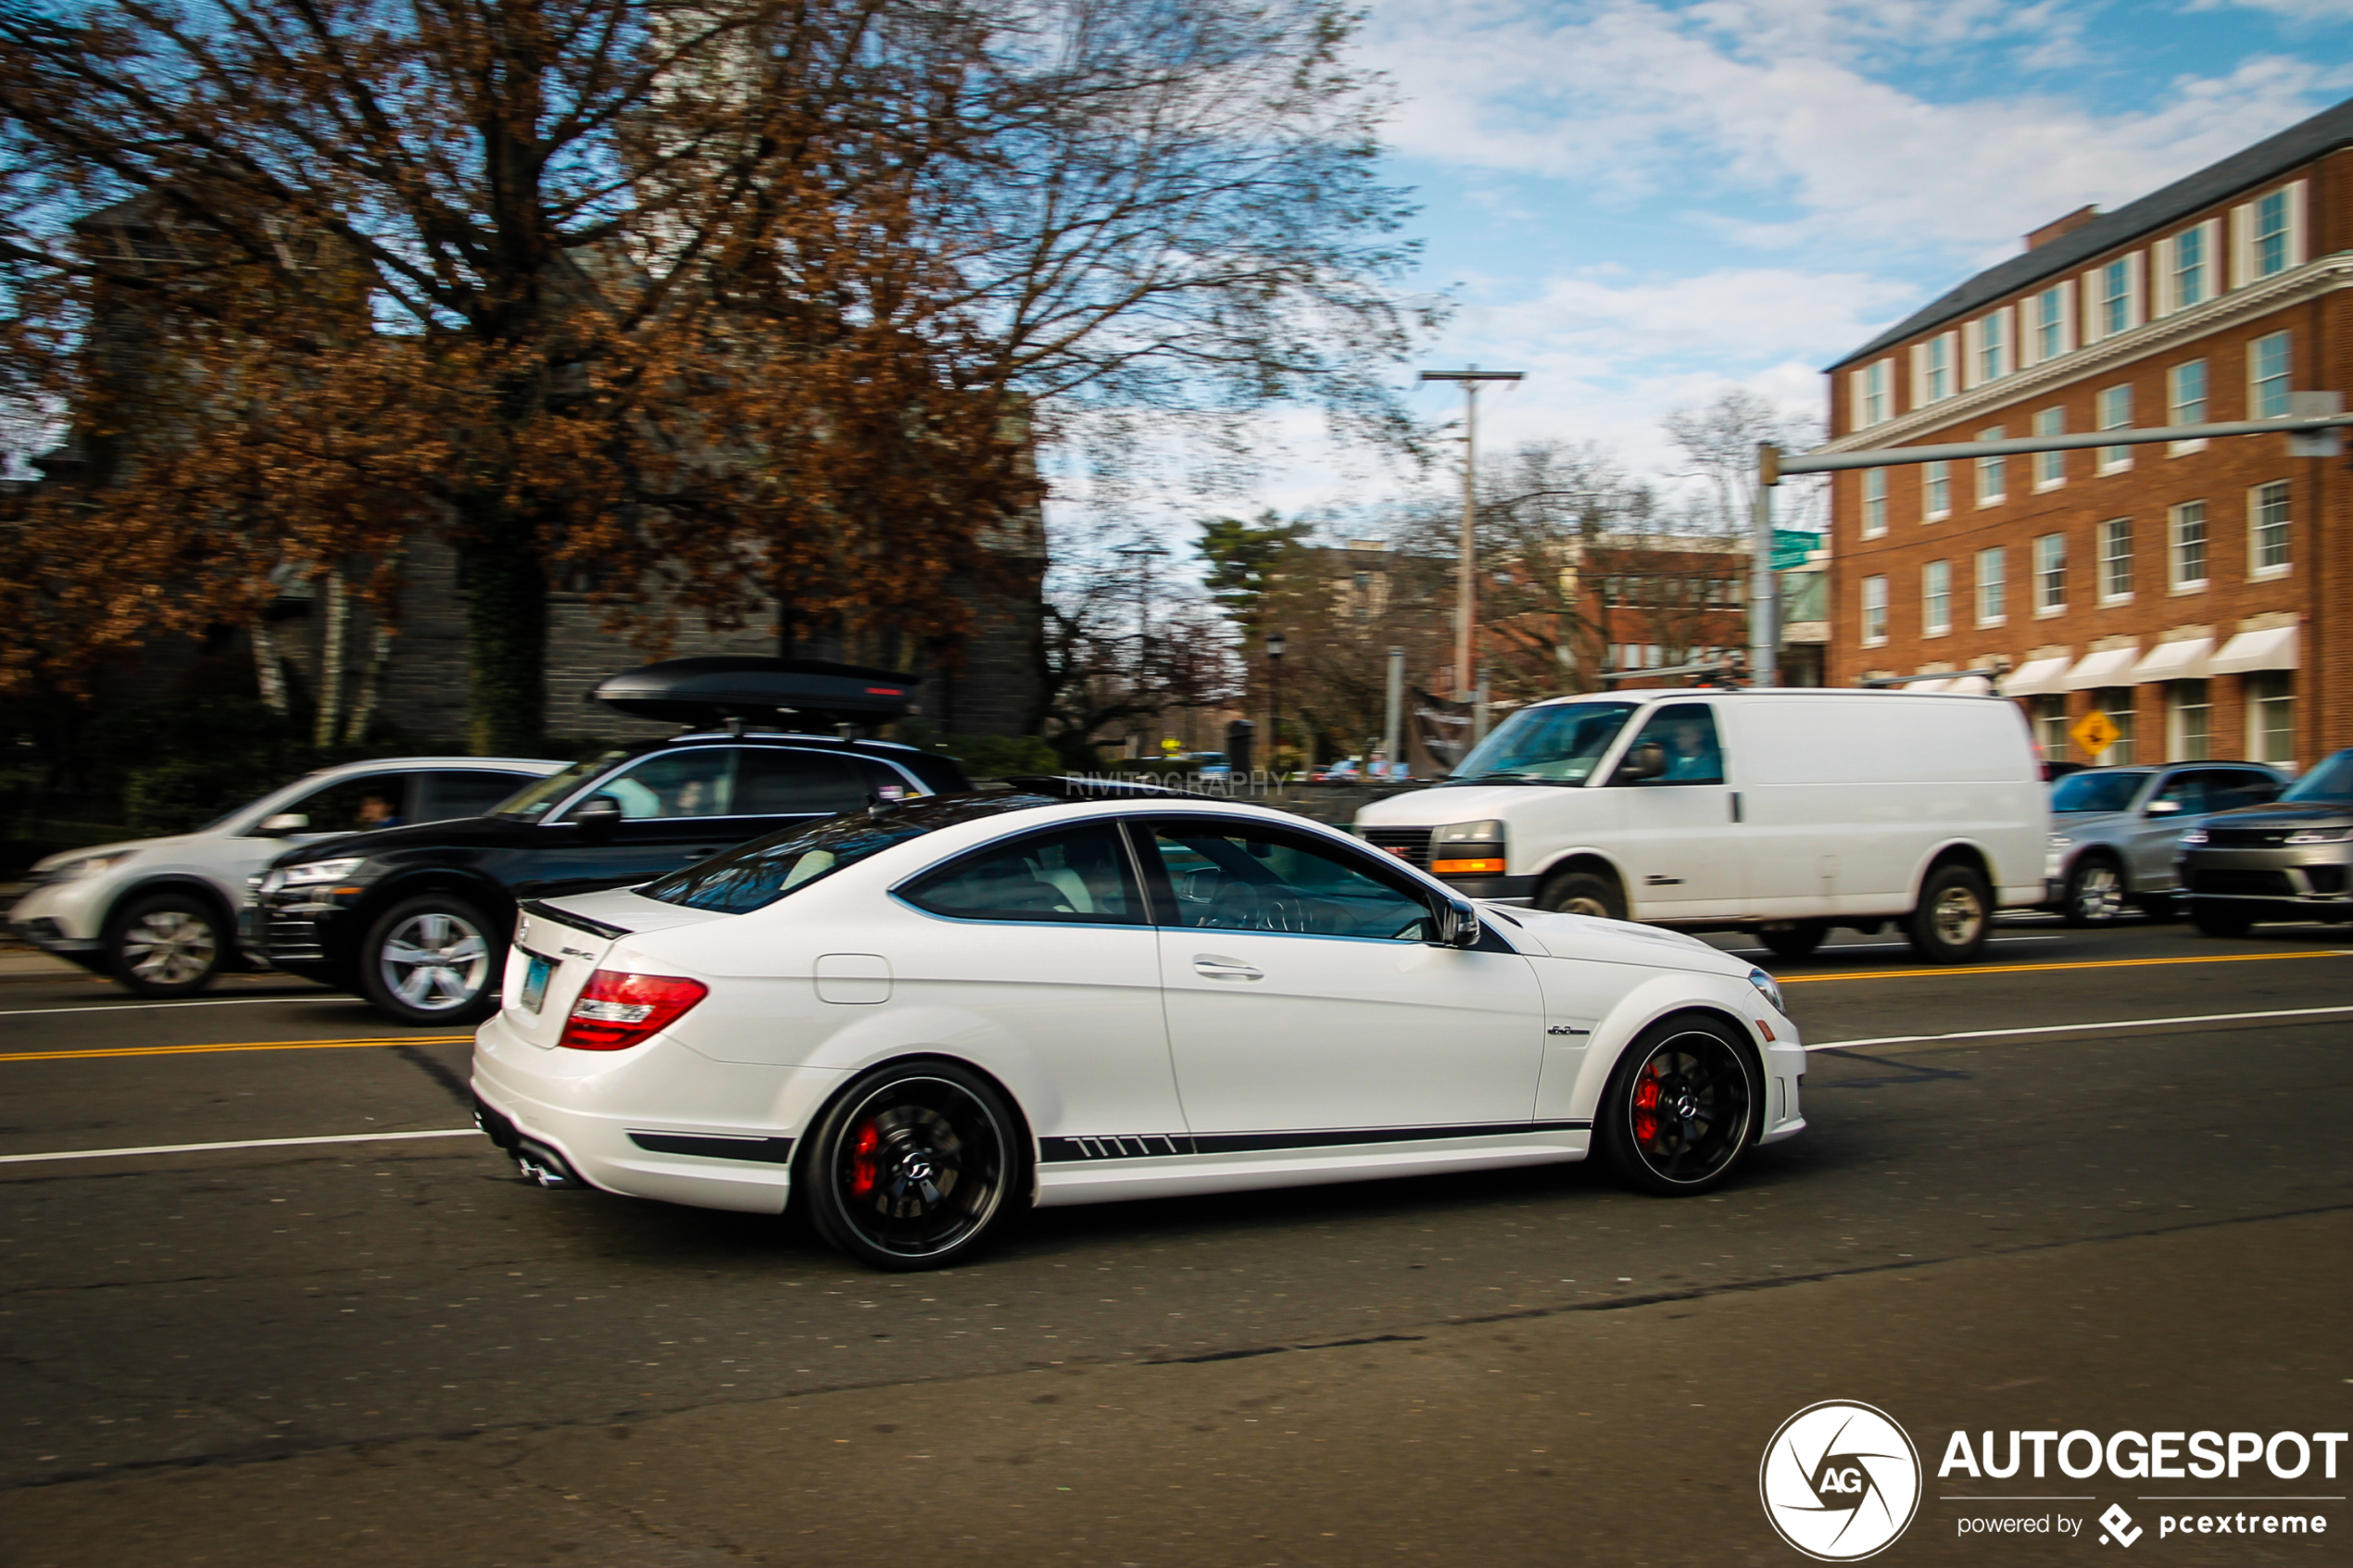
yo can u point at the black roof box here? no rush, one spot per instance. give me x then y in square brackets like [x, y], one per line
[694, 691]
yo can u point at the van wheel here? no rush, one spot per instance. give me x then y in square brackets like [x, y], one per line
[1582, 893]
[1955, 916]
[435, 958]
[2215, 917]
[2095, 893]
[1796, 940]
[164, 944]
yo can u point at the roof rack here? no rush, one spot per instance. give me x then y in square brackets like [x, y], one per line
[720, 687]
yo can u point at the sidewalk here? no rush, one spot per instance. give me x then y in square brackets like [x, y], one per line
[1628, 1437]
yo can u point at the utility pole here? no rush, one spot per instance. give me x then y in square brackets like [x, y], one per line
[1467, 680]
[1392, 731]
[1142, 557]
[1763, 587]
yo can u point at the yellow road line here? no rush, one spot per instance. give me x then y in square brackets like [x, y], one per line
[239, 1046]
[2036, 968]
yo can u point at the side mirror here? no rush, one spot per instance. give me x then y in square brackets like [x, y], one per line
[278, 824]
[1647, 760]
[2164, 808]
[598, 814]
[1457, 923]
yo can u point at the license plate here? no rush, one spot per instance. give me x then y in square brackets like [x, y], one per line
[534, 982]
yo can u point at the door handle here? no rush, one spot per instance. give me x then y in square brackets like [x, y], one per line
[1209, 966]
[1736, 805]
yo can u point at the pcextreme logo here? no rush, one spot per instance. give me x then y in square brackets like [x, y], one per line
[1840, 1481]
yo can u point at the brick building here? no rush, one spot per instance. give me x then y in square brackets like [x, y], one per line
[2200, 594]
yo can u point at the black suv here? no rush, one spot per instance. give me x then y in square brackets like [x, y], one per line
[416, 919]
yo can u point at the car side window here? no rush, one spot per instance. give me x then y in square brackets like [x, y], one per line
[1686, 731]
[373, 800]
[1079, 876]
[2229, 788]
[782, 782]
[697, 781]
[463, 791]
[2186, 790]
[1230, 878]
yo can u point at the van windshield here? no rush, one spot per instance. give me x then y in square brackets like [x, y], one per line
[2332, 781]
[1558, 742]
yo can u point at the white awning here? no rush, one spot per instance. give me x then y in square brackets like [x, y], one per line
[2190, 659]
[2113, 668]
[1940, 685]
[1970, 685]
[2273, 648]
[2037, 677]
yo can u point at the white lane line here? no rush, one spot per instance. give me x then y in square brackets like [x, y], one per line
[2072, 1028]
[247, 1143]
[144, 1007]
[1833, 950]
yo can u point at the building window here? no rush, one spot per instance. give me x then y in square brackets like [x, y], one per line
[2050, 726]
[1874, 611]
[1936, 598]
[2050, 324]
[2117, 703]
[2267, 370]
[2115, 297]
[1993, 586]
[1872, 403]
[1874, 503]
[2050, 468]
[1993, 347]
[2115, 404]
[1993, 479]
[1936, 370]
[2115, 561]
[2189, 722]
[2190, 262]
[1937, 492]
[2187, 546]
[2271, 234]
[2267, 529]
[2050, 574]
[2185, 402]
[2270, 717]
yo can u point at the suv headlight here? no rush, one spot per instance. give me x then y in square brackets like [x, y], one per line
[2319, 835]
[1467, 849]
[2191, 839]
[1771, 988]
[313, 872]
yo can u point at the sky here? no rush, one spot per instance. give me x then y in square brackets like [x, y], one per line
[1641, 204]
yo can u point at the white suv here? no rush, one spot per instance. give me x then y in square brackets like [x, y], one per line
[160, 915]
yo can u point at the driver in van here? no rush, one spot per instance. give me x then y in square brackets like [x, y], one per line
[1691, 756]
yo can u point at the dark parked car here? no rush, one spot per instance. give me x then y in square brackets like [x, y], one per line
[417, 918]
[2292, 860]
[2114, 831]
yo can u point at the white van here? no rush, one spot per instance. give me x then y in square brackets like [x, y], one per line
[1784, 812]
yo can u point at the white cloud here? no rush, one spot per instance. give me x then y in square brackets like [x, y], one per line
[2295, 10]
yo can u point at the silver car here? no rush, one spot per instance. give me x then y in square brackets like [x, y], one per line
[2114, 831]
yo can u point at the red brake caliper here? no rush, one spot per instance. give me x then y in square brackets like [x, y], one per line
[1646, 1104]
[862, 1160]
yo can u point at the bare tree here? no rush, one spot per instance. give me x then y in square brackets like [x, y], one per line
[1719, 440]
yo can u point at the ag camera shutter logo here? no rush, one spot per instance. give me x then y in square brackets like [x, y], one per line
[1840, 1481]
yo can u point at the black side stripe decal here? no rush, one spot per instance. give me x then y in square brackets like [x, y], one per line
[1070, 1150]
[768, 1151]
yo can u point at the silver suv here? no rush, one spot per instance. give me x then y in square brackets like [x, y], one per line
[2114, 830]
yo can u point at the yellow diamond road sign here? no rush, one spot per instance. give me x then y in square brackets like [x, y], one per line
[2096, 731]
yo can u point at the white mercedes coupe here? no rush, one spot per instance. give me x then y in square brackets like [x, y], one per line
[921, 1018]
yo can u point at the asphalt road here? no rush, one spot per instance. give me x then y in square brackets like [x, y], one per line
[2116, 1196]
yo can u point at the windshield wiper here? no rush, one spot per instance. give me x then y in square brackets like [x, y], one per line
[1504, 773]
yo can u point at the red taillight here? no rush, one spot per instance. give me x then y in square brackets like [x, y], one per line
[617, 1010]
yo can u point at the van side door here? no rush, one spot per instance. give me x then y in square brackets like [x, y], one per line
[1680, 837]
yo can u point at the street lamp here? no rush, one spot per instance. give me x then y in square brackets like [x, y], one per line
[1276, 644]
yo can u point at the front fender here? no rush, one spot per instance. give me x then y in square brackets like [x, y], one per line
[1733, 1001]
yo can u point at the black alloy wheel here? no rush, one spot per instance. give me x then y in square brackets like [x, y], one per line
[165, 944]
[2216, 917]
[1796, 940]
[1582, 893]
[1953, 918]
[915, 1167]
[2095, 893]
[1682, 1107]
[435, 959]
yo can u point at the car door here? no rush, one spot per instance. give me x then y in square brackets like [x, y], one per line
[2152, 832]
[354, 804]
[1044, 937]
[1678, 838]
[1303, 996]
